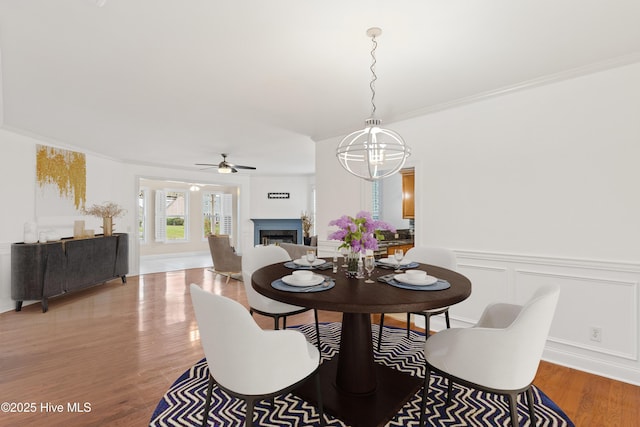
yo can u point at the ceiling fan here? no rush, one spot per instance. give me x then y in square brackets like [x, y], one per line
[224, 166]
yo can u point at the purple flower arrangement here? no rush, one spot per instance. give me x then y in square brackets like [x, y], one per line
[360, 233]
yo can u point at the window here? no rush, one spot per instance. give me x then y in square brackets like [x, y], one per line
[313, 210]
[209, 216]
[142, 214]
[171, 215]
[217, 212]
[375, 200]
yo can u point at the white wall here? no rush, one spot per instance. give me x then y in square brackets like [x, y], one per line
[553, 170]
[298, 187]
[531, 187]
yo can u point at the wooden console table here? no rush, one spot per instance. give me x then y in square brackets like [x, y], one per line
[43, 270]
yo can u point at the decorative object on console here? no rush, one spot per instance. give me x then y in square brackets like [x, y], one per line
[107, 212]
[358, 235]
[78, 229]
[373, 152]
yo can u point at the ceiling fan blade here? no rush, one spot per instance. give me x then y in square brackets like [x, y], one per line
[225, 165]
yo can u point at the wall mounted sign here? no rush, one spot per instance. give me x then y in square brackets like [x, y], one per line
[277, 195]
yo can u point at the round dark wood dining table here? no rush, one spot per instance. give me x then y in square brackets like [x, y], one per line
[354, 387]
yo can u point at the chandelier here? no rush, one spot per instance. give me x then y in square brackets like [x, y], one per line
[373, 152]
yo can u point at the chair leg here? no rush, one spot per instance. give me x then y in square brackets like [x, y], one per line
[408, 325]
[315, 315]
[427, 326]
[319, 396]
[532, 413]
[248, 420]
[425, 391]
[207, 403]
[446, 318]
[512, 398]
[380, 330]
[449, 390]
[228, 278]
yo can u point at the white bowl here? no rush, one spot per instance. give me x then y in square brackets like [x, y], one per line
[303, 275]
[416, 274]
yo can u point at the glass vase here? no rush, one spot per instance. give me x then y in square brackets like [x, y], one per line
[352, 263]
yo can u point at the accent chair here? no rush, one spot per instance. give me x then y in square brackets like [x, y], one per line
[500, 354]
[246, 361]
[225, 259]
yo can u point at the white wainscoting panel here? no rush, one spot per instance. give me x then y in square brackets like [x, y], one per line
[588, 302]
[6, 303]
[489, 283]
[593, 295]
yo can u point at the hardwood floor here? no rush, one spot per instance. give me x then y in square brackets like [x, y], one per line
[118, 348]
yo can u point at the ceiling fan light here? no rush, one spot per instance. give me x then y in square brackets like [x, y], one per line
[224, 169]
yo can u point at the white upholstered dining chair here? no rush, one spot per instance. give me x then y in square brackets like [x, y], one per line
[256, 258]
[500, 354]
[440, 257]
[246, 361]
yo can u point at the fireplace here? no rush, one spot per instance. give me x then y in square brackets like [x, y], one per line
[274, 237]
[275, 231]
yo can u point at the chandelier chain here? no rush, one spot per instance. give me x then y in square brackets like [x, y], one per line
[374, 77]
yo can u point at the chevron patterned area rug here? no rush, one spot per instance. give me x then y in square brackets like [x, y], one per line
[183, 404]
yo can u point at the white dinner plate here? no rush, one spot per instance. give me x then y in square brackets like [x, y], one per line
[304, 262]
[392, 261]
[292, 280]
[424, 281]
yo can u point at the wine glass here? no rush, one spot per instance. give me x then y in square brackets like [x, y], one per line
[398, 255]
[311, 256]
[369, 265]
[345, 254]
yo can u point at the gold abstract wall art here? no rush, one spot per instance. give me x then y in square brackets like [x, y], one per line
[61, 176]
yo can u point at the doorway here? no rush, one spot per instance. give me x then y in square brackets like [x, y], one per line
[174, 218]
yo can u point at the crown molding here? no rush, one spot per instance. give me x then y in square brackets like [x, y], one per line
[608, 64]
[593, 68]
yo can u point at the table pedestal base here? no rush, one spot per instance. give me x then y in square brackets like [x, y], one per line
[394, 389]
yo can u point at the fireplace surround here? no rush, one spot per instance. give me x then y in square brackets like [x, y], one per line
[268, 231]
